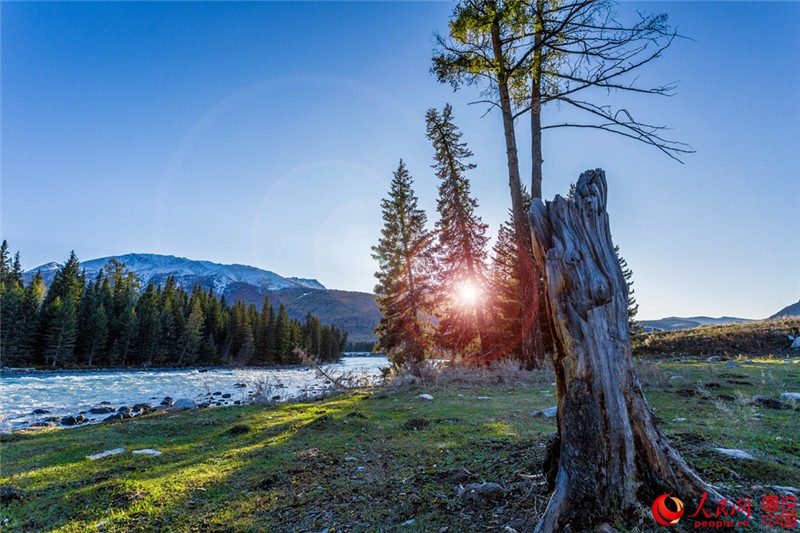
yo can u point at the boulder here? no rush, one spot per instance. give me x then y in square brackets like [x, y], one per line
[240, 385]
[550, 412]
[124, 409]
[791, 396]
[226, 395]
[146, 451]
[41, 412]
[425, 397]
[481, 494]
[736, 454]
[73, 420]
[117, 416]
[142, 407]
[101, 410]
[42, 425]
[106, 453]
[182, 404]
[796, 344]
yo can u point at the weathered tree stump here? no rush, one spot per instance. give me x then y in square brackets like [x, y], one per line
[611, 452]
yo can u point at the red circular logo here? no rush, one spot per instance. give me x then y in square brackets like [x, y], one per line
[662, 514]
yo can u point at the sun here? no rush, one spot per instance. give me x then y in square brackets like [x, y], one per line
[468, 293]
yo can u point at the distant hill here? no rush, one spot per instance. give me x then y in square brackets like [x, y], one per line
[673, 323]
[751, 338]
[788, 311]
[357, 312]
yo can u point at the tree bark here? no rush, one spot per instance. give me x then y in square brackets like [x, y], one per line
[611, 452]
[531, 342]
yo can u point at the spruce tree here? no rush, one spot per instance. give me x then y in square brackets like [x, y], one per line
[506, 311]
[15, 323]
[67, 287]
[283, 341]
[462, 241]
[5, 263]
[148, 325]
[192, 334]
[633, 306]
[61, 331]
[404, 255]
[98, 338]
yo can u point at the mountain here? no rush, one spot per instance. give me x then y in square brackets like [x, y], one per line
[788, 311]
[357, 312]
[672, 323]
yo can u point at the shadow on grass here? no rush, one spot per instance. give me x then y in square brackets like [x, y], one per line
[347, 459]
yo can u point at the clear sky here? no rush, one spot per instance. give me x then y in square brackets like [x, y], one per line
[266, 134]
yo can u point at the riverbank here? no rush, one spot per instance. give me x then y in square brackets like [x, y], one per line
[383, 459]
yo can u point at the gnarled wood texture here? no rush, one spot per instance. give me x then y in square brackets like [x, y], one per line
[611, 451]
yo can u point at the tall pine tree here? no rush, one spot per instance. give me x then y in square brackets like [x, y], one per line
[404, 255]
[462, 241]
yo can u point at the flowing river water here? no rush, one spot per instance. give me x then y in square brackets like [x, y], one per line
[76, 392]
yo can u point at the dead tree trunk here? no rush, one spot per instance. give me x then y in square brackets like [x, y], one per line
[611, 451]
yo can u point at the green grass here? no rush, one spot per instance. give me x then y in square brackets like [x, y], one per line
[292, 470]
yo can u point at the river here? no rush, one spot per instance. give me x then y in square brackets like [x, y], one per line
[73, 392]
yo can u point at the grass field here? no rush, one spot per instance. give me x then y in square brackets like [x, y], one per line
[380, 459]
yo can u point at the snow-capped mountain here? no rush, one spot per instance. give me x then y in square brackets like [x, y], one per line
[188, 273]
[357, 312]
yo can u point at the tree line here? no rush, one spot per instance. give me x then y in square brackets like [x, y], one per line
[440, 292]
[110, 321]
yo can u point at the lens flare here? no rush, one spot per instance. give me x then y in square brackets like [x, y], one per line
[468, 293]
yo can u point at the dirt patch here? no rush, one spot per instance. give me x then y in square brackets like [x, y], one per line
[238, 429]
[320, 422]
[692, 439]
[416, 423]
[455, 477]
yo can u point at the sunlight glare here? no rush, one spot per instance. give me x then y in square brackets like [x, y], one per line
[468, 293]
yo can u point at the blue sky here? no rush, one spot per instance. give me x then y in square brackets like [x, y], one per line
[266, 133]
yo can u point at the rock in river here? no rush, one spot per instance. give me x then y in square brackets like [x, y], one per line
[117, 416]
[73, 420]
[142, 407]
